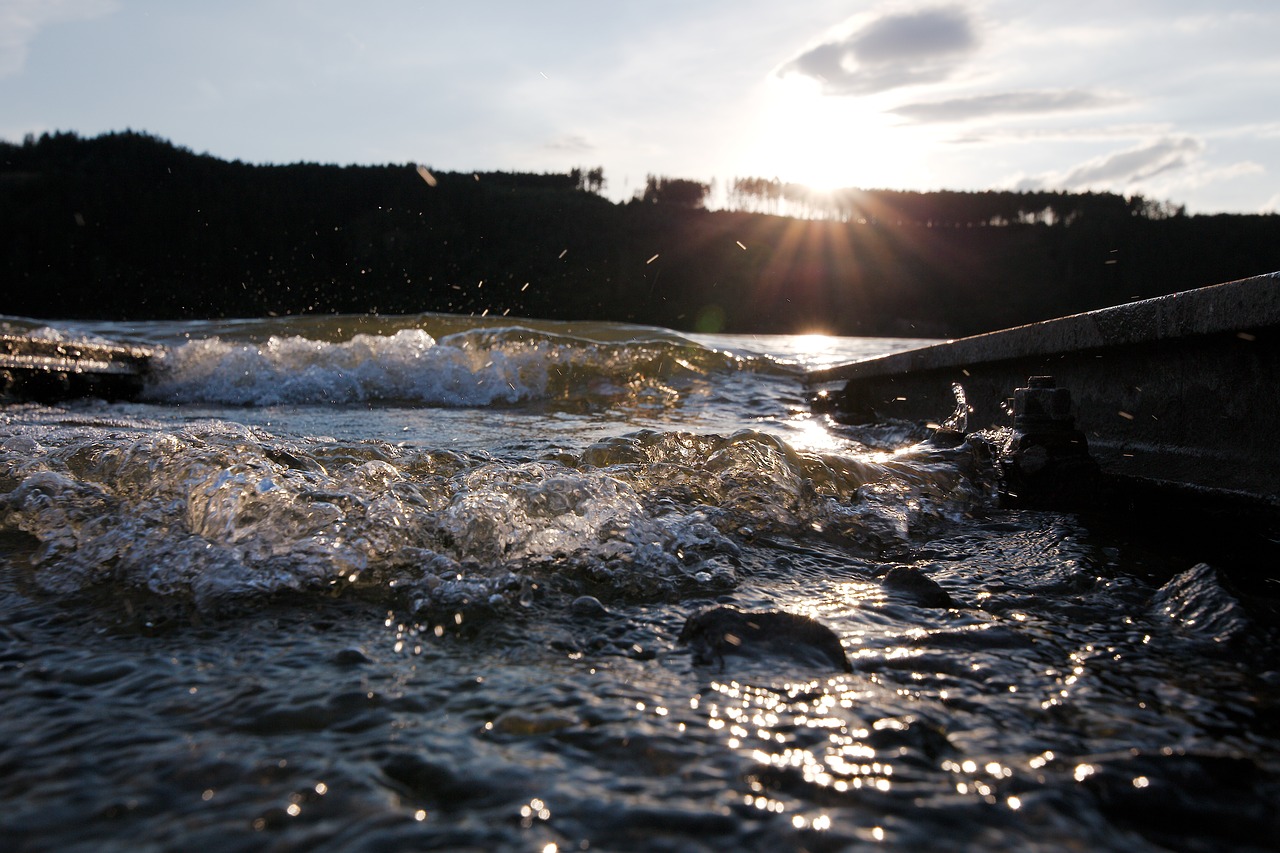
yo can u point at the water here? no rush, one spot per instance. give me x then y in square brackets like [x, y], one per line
[353, 583]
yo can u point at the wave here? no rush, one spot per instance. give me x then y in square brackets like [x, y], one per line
[566, 490]
[475, 367]
[219, 513]
[444, 360]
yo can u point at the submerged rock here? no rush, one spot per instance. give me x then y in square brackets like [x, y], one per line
[914, 585]
[1199, 608]
[352, 656]
[713, 634]
[438, 783]
[527, 723]
[1186, 794]
[587, 606]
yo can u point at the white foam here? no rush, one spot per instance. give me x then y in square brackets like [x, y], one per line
[478, 367]
[408, 366]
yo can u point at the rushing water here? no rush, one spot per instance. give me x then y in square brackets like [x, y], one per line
[355, 583]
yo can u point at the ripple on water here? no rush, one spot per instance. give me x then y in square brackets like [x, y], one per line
[215, 635]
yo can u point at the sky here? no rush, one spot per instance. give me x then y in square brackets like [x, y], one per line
[1175, 100]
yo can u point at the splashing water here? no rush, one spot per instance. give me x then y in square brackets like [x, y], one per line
[419, 583]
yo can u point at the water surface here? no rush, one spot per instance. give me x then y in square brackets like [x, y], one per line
[417, 582]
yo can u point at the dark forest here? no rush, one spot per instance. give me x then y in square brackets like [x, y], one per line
[126, 226]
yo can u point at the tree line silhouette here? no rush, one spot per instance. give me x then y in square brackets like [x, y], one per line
[945, 208]
[127, 226]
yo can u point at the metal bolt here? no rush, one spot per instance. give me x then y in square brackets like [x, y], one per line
[1041, 404]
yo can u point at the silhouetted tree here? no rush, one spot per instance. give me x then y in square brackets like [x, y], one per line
[128, 226]
[681, 192]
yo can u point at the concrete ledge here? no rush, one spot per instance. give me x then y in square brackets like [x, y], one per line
[1182, 388]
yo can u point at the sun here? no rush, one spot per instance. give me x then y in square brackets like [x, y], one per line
[826, 143]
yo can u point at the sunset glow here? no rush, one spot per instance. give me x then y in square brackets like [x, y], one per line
[887, 94]
[802, 137]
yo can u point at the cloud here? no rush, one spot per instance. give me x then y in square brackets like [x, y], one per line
[1003, 104]
[895, 50]
[1137, 164]
[1016, 134]
[571, 143]
[1124, 168]
[1208, 176]
[22, 20]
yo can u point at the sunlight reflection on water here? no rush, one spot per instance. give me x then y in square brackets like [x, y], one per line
[465, 619]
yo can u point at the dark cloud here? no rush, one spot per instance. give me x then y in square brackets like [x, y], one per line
[1002, 104]
[1124, 168]
[894, 50]
[922, 35]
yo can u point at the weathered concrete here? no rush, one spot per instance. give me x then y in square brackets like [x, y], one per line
[46, 370]
[1181, 389]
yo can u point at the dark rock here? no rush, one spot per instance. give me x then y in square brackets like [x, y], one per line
[713, 634]
[351, 657]
[1197, 606]
[436, 782]
[915, 586]
[587, 606]
[1186, 794]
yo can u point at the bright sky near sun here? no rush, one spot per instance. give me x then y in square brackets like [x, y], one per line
[1171, 99]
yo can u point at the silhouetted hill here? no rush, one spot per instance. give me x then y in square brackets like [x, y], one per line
[128, 226]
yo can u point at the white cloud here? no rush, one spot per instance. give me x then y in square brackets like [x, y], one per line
[1205, 175]
[897, 49]
[1137, 164]
[1040, 135]
[571, 143]
[1004, 104]
[1123, 169]
[22, 20]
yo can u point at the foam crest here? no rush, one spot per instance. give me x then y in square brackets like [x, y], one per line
[479, 367]
[215, 514]
[219, 512]
[407, 366]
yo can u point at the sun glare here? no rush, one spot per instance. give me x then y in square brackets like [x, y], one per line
[803, 136]
[814, 342]
[811, 351]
